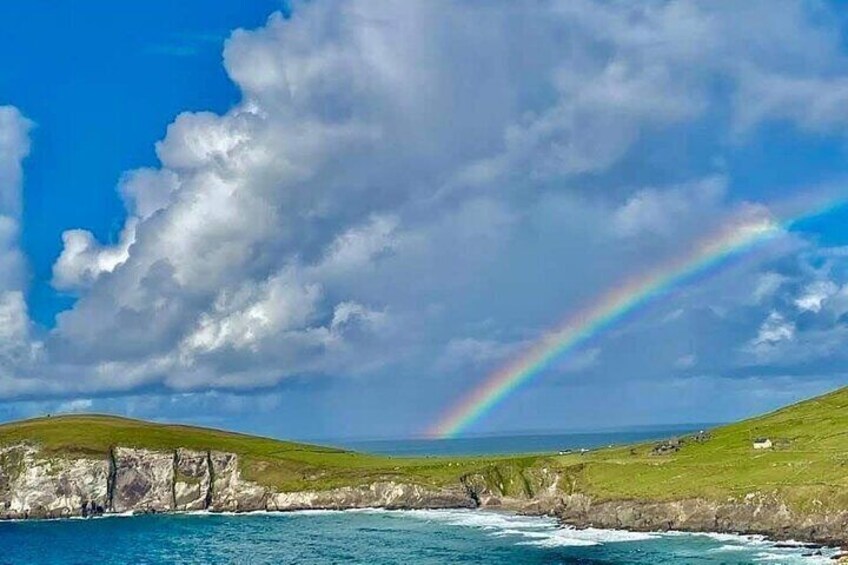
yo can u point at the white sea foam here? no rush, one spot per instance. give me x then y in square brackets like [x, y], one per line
[528, 530]
[557, 540]
[487, 520]
[613, 536]
[545, 532]
[726, 538]
[789, 557]
[729, 547]
[767, 551]
[127, 514]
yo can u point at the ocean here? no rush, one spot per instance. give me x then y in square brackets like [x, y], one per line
[384, 537]
[518, 443]
[371, 537]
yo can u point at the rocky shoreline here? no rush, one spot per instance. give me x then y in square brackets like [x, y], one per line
[755, 516]
[36, 485]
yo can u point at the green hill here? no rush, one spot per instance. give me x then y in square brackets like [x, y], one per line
[282, 465]
[807, 465]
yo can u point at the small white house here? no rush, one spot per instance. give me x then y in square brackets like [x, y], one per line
[762, 443]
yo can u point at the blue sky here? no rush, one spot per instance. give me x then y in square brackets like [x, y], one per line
[85, 73]
[337, 220]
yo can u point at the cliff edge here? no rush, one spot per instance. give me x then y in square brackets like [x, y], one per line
[782, 475]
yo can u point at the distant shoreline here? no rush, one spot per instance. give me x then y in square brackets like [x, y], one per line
[517, 444]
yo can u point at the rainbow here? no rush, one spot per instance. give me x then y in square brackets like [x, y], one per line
[732, 239]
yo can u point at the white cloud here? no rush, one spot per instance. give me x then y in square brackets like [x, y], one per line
[813, 103]
[669, 212]
[146, 191]
[773, 330]
[83, 260]
[251, 314]
[396, 171]
[76, 405]
[14, 147]
[17, 349]
[814, 295]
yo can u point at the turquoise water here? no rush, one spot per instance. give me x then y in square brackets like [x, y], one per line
[373, 537]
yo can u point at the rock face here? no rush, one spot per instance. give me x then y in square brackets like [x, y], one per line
[143, 480]
[34, 484]
[192, 480]
[32, 487]
[536, 492]
[229, 492]
[755, 514]
[388, 495]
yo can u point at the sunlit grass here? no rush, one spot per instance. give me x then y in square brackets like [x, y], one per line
[807, 468]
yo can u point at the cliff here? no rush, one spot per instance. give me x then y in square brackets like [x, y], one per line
[720, 481]
[755, 514]
[34, 484]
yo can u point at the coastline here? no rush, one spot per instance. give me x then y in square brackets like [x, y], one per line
[134, 481]
[499, 519]
[758, 515]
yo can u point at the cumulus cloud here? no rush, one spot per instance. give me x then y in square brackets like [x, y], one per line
[18, 349]
[84, 260]
[263, 224]
[397, 173]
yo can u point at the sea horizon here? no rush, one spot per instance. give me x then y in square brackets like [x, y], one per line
[517, 442]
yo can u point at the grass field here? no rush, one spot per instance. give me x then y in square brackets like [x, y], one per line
[283, 465]
[808, 467]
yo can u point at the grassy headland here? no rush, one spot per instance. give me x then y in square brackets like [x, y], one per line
[283, 465]
[807, 467]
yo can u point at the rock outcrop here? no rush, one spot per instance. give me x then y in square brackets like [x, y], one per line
[192, 480]
[35, 485]
[230, 492]
[536, 491]
[45, 487]
[388, 495]
[754, 514]
[143, 480]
